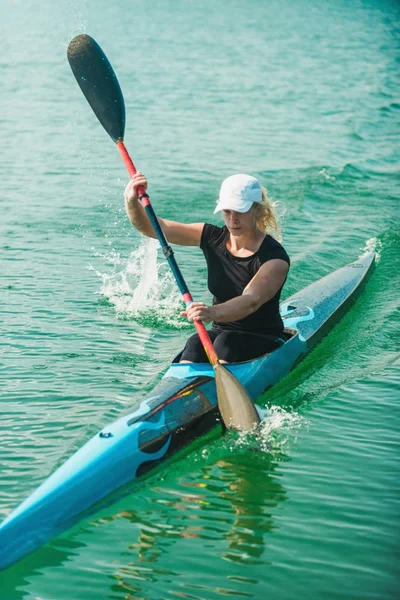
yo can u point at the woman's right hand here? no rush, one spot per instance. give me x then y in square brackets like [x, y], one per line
[131, 194]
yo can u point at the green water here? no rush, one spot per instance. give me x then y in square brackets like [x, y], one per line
[304, 96]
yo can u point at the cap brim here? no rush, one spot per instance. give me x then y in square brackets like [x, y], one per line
[242, 208]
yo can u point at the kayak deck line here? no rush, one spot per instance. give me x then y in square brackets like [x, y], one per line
[182, 407]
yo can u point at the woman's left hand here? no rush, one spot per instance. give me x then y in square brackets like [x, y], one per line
[198, 311]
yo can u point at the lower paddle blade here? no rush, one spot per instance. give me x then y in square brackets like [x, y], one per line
[235, 405]
[99, 84]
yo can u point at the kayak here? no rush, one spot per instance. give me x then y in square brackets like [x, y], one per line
[181, 408]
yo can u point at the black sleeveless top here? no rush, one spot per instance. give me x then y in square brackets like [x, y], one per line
[228, 275]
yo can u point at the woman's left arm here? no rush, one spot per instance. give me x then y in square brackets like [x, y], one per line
[265, 284]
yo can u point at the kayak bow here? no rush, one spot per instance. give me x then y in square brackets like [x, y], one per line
[180, 409]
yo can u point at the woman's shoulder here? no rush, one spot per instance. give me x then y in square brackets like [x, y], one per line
[271, 248]
[212, 235]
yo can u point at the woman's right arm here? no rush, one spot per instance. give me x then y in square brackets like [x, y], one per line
[176, 233]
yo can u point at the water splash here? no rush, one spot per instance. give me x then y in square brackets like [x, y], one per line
[325, 175]
[278, 428]
[141, 288]
[373, 245]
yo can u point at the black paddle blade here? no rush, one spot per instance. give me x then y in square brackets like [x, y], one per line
[99, 84]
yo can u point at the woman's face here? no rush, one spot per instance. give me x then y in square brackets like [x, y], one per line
[240, 223]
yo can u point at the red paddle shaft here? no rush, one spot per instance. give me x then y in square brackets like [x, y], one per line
[169, 255]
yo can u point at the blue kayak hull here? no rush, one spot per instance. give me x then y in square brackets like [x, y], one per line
[181, 408]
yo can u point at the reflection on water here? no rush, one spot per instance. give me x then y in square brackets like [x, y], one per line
[227, 506]
[253, 502]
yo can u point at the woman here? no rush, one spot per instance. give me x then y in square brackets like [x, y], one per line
[246, 269]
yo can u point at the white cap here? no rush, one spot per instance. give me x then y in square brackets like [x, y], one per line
[238, 192]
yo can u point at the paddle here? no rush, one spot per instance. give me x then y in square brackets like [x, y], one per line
[100, 86]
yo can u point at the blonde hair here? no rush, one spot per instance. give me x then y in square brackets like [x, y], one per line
[266, 216]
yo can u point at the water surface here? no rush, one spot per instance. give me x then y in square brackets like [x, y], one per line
[307, 99]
